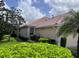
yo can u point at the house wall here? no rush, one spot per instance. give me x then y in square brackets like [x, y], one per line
[24, 32]
[47, 32]
[72, 41]
[51, 33]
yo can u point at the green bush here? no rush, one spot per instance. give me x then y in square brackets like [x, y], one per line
[34, 50]
[5, 37]
[8, 38]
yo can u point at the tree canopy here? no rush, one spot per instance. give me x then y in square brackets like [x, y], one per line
[9, 21]
[71, 24]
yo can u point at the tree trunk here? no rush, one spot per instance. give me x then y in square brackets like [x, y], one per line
[78, 46]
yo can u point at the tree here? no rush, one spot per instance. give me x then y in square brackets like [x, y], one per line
[8, 24]
[10, 20]
[70, 26]
[18, 19]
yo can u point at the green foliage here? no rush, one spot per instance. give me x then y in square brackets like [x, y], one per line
[34, 50]
[8, 38]
[6, 28]
[1, 36]
[71, 24]
[10, 24]
[44, 40]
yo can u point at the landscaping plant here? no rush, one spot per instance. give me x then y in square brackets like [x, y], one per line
[34, 50]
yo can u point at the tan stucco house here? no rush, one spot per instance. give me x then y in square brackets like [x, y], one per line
[48, 28]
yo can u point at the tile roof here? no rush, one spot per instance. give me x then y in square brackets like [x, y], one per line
[45, 21]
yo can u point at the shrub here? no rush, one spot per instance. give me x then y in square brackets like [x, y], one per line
[51, 41]
[34, 50]
[43, 39]
[47, 40]
[8, 38]
[35, 37]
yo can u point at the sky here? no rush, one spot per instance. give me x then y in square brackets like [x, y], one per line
[35, 9]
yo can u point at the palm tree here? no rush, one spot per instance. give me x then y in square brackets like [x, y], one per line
[70, 26]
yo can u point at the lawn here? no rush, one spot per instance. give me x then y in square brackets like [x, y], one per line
[43, 39]
[6, 42]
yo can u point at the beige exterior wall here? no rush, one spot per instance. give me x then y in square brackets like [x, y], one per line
[72, 41]
[47, 32]
[51, 33]
[24, 32]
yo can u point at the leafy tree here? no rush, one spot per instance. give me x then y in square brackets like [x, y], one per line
[71, 26]
[11, 21]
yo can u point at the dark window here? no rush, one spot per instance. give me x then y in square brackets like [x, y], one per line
[32, 29]
[63, 42]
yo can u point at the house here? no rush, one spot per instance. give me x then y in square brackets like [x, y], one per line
[25, 31]
[48, 28]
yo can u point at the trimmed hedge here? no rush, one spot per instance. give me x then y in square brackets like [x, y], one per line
[34, 50]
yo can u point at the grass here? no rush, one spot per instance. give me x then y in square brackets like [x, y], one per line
[43, 39]
[6, 42]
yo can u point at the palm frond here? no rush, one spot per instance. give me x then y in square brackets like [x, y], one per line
[65, 30]
[71, 24]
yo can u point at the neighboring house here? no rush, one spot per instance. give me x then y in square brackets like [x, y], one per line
[25, 31]
[48, 28]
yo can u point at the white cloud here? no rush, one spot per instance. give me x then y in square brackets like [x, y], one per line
[61, 6]
[6, 6]
[29, 12]
[46, 1]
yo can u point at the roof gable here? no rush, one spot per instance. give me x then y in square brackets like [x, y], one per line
[45, 21]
